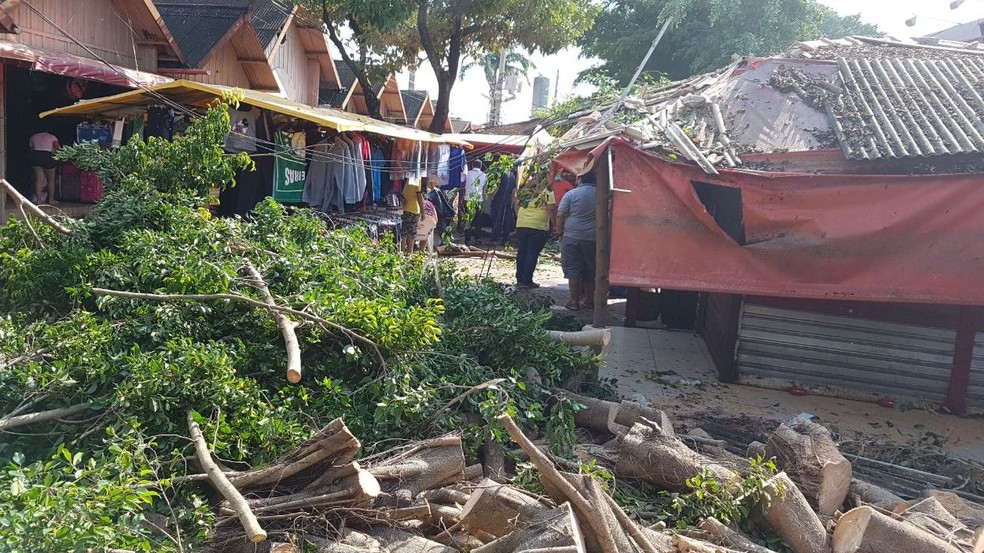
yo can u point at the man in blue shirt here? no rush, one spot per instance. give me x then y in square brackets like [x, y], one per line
[576, 227]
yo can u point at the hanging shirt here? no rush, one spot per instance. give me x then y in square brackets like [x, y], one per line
[475, 181]
[456, 168]
[378, 164]
[242, 137]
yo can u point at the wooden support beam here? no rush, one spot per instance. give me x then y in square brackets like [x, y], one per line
[956, 396]
[603, 231]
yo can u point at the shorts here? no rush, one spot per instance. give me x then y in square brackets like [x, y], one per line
[42, 159]
[577, 259]
[410, 222]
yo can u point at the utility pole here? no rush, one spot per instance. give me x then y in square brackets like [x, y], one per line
[495, 101]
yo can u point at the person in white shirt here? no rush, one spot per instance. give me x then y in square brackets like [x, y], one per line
[44, 145]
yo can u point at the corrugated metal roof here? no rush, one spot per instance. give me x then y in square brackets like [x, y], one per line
[198, 28]
[413, 102]
[902, 108]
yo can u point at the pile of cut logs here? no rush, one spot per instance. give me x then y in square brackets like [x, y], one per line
[425, 498]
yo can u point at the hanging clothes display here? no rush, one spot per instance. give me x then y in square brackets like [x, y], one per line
[160, 122]
[456, 168]
[242, 138]
[289, 170]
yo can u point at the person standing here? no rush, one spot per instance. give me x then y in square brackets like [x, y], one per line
[503, 210]
[413, 201]
[533, 223]
[576, 227]
[44, 146]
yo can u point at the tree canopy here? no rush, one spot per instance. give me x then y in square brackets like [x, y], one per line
[706, 34]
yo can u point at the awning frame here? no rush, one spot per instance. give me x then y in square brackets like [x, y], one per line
[199, 95]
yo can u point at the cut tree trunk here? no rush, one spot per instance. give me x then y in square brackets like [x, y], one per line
[808, 454]
[647, 453]
[565, 491]
[791, 517]
[499, 510]
[731, 538]
[386, 539]
[287, 326]
[594, 337]
[596, 414]
[971, 513]
[628, 413]
[334, 445]
[865, 530]
[873, 495]
[556, 528]
[930, 515]
[599, 509]
[431, 464]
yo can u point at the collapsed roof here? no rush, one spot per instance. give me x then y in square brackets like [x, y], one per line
[874, 99]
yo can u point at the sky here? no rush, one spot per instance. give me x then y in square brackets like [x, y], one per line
[468, 103]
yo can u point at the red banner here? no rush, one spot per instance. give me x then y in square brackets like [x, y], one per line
[895, 238]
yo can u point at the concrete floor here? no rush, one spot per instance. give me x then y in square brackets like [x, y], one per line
[674, 372]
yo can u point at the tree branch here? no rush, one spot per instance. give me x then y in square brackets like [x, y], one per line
[351, 334]
[23, 203]
[9, 422]
[254, 532]
[287, 326]
[358, 69]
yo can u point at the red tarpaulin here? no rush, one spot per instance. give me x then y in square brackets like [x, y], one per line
[857, 237]
[60, 63]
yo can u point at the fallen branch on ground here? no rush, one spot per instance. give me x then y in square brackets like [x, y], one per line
[254, 532]
[25, 204]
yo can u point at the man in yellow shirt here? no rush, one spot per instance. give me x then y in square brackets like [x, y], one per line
[533, 223]
[413, 199]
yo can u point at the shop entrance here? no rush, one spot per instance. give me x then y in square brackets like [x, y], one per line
[27, 94]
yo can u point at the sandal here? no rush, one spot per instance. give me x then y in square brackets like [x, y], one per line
[571, 306]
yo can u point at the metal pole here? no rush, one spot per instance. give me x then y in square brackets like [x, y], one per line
[621, 99]
[603, 228]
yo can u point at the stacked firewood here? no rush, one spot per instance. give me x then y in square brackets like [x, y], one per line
[426, 498]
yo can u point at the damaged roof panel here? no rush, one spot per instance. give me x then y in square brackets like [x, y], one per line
[904, 108]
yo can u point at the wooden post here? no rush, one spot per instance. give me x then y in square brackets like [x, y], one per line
[603, 228]
[956, 396]
[632, 300]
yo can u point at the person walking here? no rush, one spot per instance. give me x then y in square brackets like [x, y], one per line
[44, 146]
[576, 228]
[533, 222]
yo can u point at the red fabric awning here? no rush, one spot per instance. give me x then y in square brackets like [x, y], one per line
[891, 238]
[69, 65]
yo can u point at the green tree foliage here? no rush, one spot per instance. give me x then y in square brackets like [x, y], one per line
[706, 34]
[69, 485]
[365, 34]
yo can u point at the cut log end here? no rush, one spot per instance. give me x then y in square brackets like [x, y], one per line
[293, 375]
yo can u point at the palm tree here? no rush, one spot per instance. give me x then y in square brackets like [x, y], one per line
[516, 64]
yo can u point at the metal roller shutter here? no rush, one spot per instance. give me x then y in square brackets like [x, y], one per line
[975, 392]
[857, 354]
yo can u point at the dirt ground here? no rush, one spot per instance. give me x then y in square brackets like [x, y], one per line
[673, 371]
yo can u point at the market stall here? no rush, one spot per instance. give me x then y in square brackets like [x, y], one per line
[349, 167]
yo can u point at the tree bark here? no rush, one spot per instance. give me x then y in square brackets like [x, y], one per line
[731, 538]
[865, 530]
[7, 423]
[550, 474]
[431, 464]
[811, 459]
[219, 481]
[557, 528]
[358, 69]
[287, 326]
[649, 454]
[27, 205]
[594, 337]
[792, 518]
[499, 509]
[972, 514]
